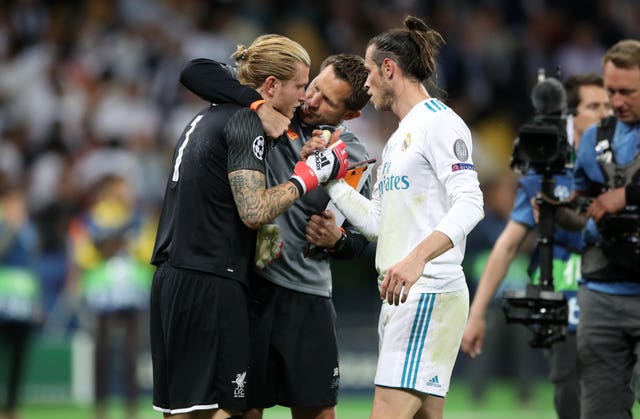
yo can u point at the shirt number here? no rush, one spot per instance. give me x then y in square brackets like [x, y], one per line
[176, 166]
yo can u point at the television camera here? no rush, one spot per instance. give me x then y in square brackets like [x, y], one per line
[542, 147]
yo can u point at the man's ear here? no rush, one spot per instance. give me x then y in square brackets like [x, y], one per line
[269, 86]
[351, 115]
[388, 67]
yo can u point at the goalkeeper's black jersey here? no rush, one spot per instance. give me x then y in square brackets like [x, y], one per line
[200, 228]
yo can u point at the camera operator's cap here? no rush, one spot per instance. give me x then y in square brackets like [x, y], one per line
[549, 97]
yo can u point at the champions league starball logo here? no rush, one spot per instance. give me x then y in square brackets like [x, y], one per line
[258, 147]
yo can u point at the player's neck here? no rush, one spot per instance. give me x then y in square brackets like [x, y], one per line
[410, 96]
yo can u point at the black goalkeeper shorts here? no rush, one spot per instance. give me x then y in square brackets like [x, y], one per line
[294, 355]
[199, 341]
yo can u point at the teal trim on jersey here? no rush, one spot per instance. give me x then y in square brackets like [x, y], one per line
[440, 104]
[19, 293]
[416, 340]
[434, 105]
[566, 274]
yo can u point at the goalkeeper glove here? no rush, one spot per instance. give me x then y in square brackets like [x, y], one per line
[321, 166]
[268, 245]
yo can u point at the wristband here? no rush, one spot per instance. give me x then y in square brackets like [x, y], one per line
[256, 104]
[632, 194]
[340, 243]
[298, 184]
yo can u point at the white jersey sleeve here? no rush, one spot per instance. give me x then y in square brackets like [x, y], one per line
[362, 213]
[451, 157]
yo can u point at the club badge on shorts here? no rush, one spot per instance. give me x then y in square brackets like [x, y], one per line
[240, 382]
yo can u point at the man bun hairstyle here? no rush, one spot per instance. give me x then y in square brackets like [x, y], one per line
[269, 55]
[414, 48]
[428, 42]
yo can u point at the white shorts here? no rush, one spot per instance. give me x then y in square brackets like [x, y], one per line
[420, 340]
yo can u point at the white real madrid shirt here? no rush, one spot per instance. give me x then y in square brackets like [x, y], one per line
[426, 181]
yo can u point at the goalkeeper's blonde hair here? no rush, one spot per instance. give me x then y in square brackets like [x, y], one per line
[269, 55]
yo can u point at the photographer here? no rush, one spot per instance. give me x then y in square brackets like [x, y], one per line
[588, 103]
[606, 169]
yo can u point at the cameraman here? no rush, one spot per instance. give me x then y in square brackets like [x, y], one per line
[588, 103]
[606, 169]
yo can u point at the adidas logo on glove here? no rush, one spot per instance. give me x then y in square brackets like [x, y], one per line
[321, 160]
[323, 165]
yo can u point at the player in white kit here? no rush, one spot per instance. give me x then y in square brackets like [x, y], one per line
[426, 200]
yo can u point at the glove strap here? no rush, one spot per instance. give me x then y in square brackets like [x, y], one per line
[298, 183]
[305, 176]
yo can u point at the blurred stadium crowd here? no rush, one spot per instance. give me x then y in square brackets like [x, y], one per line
[89, 88]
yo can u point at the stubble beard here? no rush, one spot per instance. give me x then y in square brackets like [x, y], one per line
[386, 99]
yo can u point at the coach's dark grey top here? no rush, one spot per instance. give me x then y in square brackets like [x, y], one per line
[215, 82]
[292, 270]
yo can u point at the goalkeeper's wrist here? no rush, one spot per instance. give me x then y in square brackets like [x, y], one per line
[305, 177]
[298, 183]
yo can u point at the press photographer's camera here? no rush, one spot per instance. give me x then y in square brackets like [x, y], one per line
[620, 239]
[542, 147]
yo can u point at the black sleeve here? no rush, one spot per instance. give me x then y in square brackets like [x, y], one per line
[245, 137]
[216, 82]
[632, 194]
[353, 246]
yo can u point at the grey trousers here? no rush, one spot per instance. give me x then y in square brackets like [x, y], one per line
[563, 366]
[608, 348]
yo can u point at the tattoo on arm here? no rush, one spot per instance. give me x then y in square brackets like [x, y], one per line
[256, 205]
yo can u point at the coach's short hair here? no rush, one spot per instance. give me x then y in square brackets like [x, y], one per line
[350, 68]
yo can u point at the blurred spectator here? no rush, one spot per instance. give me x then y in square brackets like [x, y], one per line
[52, 203]
[112, 244]
[12, 154]
[19, 290]
[582, 53]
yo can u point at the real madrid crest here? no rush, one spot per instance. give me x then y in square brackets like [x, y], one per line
[406, 142]
[460, 150]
